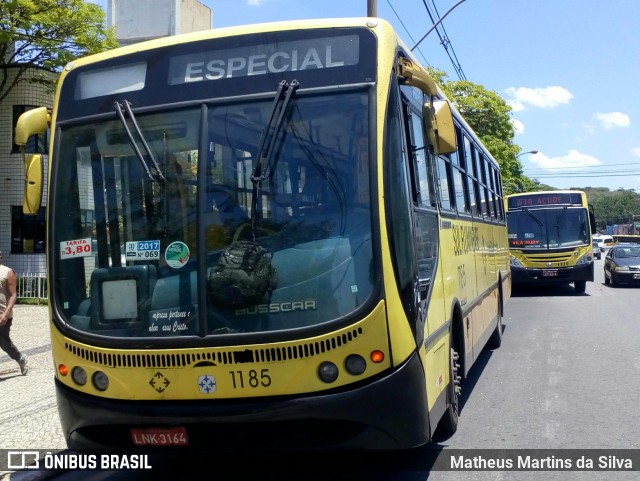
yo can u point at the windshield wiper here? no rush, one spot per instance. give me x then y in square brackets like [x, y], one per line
[269, 136]
[532, 215]
[120, 110]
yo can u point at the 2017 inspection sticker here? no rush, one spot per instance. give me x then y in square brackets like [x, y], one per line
[142, 250]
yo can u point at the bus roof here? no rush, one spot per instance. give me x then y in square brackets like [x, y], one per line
[367, 22]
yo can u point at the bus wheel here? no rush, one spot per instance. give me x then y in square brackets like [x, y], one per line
[449, 421]
[580, 286]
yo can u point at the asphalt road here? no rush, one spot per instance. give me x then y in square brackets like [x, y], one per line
[565, 378]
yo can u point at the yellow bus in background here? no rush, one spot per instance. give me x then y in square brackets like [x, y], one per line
[621, 238]
[550, 238]
[267, 236]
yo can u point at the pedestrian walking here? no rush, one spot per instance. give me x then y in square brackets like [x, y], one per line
[8, 296]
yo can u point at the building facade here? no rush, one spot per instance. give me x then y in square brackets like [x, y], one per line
[22, 237]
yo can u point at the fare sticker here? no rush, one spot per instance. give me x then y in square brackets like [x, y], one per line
[75, 248]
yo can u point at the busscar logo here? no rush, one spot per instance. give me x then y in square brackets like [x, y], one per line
[23, 460]
[274, 308]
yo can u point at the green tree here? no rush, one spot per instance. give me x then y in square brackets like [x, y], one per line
[490, 117]
[47, 34]
[613, 207]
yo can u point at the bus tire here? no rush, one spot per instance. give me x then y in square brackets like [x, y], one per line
[580, 286]
[449, 422]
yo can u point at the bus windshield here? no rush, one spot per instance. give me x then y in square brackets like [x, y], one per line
[541, 229]
[151, 207]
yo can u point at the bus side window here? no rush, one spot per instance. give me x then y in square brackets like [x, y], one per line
[467, 185]
[459, 184]
[445, 186]
[484, 194]
[500, 200]
[425, 196]
[474, 190]
[493, 201]
[425, 218]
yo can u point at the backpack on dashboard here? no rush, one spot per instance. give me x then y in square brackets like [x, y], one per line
[243, 275]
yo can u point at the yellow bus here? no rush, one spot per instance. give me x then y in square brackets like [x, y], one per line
[274, 232]
[550, 237]
[618, 238]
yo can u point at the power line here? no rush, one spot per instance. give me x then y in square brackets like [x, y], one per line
[609, 170]
[611, 173]
[444, 41]
[407, 31]
[438, 26]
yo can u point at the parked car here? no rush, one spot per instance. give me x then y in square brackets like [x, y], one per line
[597, 250]
[622, 265]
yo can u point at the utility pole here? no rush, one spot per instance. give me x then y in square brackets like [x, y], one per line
[372, 8]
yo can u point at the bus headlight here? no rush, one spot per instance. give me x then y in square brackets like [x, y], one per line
[355, 364]
[79, 375]
[515, 262]
[328, 372]
[585, 259]
[100, 381]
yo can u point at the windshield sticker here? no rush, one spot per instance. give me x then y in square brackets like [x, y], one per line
[143, 250]
[75, 248]
[176, 320]
[525, 242]
[177, 254]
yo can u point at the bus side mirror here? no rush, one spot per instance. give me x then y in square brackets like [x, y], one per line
[32, 184]
[34, 121]
[439, 126]
[592, 218]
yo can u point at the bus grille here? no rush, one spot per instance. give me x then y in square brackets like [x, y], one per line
[218, 356]
[551, 257]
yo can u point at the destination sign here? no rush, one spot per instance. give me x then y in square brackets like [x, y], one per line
[550, 198]
[263, 59]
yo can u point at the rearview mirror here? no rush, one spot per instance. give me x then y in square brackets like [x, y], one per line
[32, 184]
[439, 126]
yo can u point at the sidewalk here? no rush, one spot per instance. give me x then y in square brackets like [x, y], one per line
[28, 412]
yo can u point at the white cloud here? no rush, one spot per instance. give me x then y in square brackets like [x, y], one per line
[518, 126]
[635, 151]
[255, 2]
[613, 119]
[544, 98]
[573, 160]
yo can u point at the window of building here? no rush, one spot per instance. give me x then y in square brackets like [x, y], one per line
[37, 143]
[28, 233]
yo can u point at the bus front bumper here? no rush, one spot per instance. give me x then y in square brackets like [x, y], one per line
[522, 275]
[387, 413]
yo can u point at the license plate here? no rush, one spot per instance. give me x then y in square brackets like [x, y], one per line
[550, 273]
[176, 436]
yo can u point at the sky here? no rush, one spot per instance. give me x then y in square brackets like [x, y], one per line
[569, 69]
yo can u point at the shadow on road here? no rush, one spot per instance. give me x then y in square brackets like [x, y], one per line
[553, 290]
